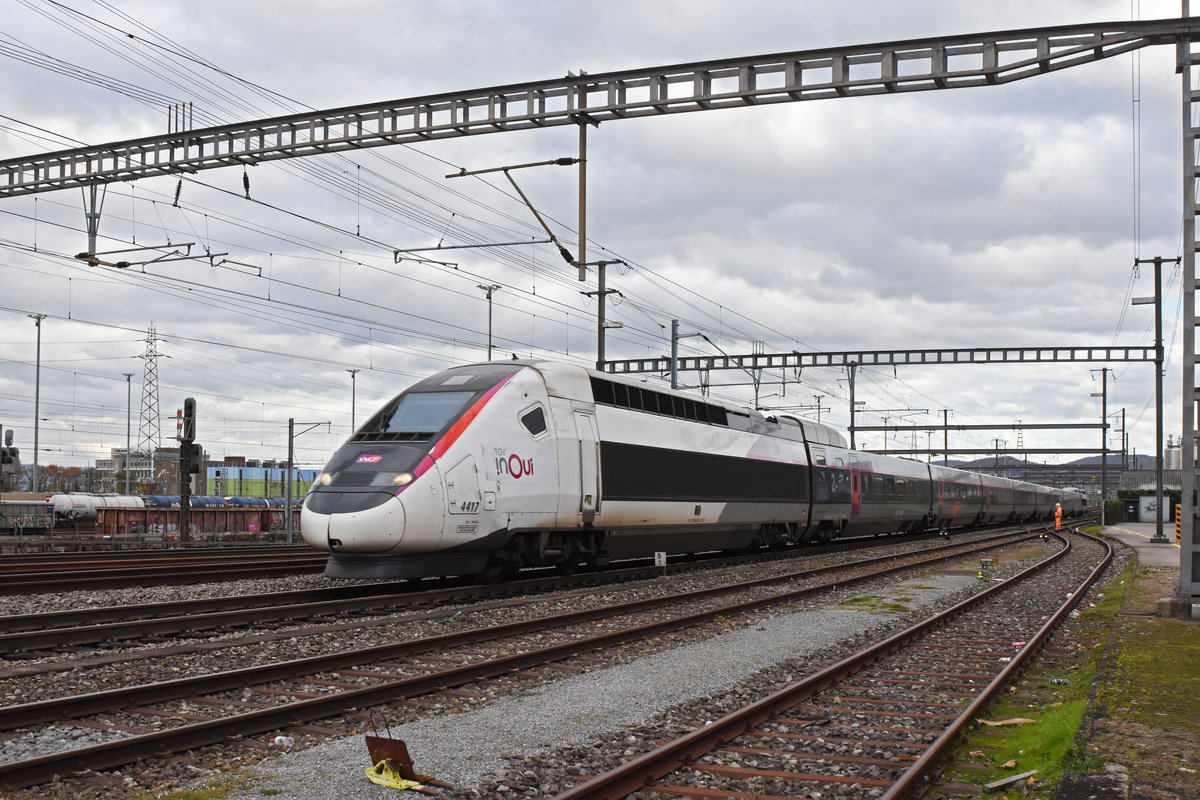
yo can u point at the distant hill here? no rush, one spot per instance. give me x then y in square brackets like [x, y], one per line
[989, 462]
[1141, 462]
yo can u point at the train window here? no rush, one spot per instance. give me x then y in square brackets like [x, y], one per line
[425, 412]
[840, 486]
[621, 395]
[534, 421]
[602, 391]
[644, 399]
[738, 421]
[716, 416]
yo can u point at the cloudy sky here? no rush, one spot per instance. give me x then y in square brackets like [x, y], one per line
[999, 217]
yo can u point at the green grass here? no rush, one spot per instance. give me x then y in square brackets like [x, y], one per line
[1048, 743]
[217, 789]
[1043, 745]
[875, 604]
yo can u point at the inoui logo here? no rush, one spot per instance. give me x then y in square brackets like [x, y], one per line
[518, 466]
[512, 464]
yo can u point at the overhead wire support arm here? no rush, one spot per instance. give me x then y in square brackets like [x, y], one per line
[174, 255]
[556, 162]
[474, 246]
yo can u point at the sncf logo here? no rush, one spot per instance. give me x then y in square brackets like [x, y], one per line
[368, 459]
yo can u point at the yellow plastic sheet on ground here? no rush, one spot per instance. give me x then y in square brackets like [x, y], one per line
[386, 774]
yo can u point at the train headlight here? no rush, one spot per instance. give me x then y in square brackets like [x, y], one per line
[324, 479]
[393, 479]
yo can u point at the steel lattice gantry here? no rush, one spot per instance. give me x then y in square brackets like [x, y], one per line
[870, 358]
[906, 66]
[1188, 62]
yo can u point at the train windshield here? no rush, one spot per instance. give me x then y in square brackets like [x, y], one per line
[424, 412]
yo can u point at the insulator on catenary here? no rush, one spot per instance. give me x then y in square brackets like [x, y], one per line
[178, 189]
[246, 183]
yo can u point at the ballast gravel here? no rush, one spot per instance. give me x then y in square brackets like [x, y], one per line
[462, 749]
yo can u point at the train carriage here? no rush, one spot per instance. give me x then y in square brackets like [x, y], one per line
[1025, 507]
[833, 482]
[958, 496]
[891, 494]
[999, 499]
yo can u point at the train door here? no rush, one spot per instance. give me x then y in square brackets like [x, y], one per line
[855, 492]
[589, 464]
[462, 487]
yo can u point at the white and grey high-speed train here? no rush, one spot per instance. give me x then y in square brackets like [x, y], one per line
[483, 469]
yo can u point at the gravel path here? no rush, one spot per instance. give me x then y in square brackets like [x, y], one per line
[462, 748]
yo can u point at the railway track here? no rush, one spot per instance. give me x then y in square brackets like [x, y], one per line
[28, 633]
[876, 723]
[214, 708]
[69, 572]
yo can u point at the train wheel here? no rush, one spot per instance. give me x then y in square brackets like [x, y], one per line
[502, 565]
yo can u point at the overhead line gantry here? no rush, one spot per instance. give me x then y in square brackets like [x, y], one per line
[949, 62]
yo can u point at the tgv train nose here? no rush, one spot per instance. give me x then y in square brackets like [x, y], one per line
[356, 523]
[371, 530]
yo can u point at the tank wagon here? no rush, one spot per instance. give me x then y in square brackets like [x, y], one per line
[485, 468]
[72, 508]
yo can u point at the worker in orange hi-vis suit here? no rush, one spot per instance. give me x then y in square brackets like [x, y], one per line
[1058, 516]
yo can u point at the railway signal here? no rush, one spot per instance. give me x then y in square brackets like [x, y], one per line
[8, 454]
[190, 460]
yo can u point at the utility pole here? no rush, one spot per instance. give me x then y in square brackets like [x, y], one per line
[287, 512]
[353, 372]
[37, 392]
[850, 368]
[581, 260]
[128, 422]
[1103, 395]
[1158, 392]
[675, 337]
[945, 437]
[602, 291]
[489, 289]
[1124, 445]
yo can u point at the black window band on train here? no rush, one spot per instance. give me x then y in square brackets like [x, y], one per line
[635, 472]
[641, 398]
